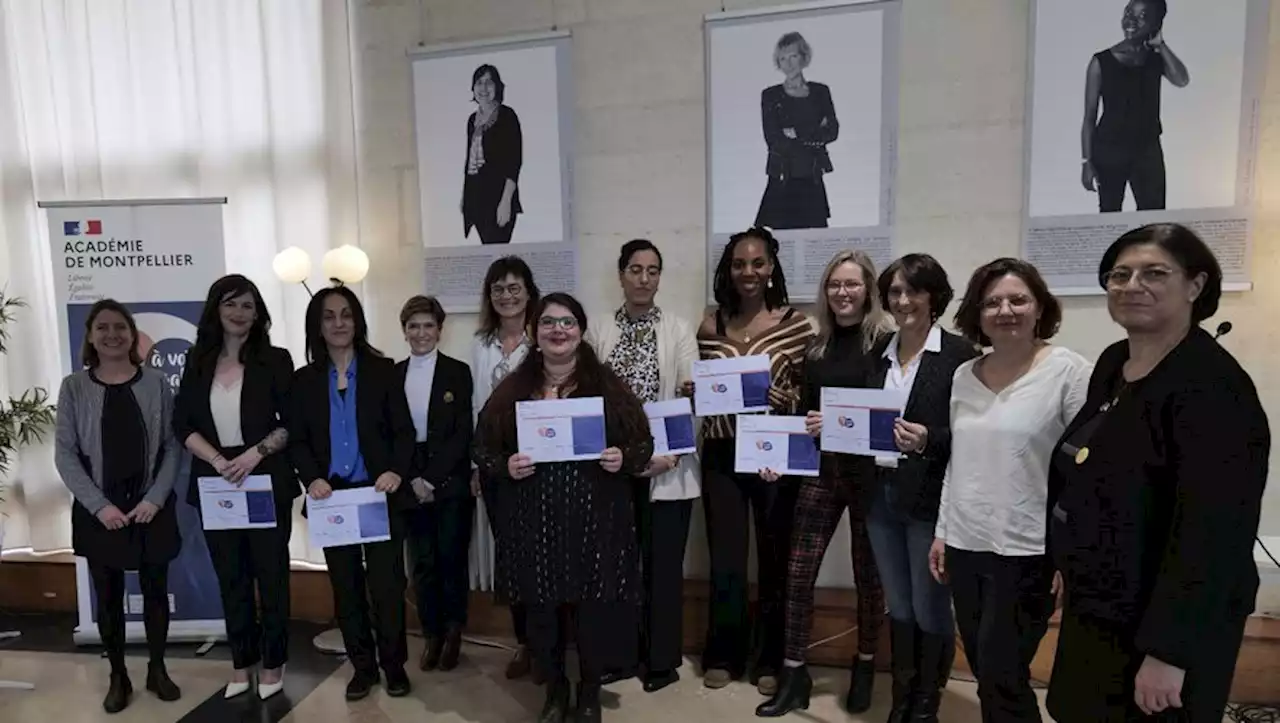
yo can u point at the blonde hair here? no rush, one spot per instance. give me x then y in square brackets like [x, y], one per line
[876, 323]
[802, 46]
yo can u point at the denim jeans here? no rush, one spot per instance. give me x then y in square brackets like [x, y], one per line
[901, 546]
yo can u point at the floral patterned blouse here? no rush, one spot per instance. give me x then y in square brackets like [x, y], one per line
[635, 358]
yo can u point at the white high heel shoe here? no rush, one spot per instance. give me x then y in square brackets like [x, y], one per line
[266, 690]
[236, 689]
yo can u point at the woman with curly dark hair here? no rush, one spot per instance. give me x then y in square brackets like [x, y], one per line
[569, 551]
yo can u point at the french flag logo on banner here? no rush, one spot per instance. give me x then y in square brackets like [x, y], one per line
[91, 228]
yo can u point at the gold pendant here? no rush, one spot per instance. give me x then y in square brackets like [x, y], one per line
[1082, 455]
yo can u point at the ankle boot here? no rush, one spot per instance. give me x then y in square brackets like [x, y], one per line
[557, 705]
[118, 693]
[902, 639]
[861, 680]
[793, 693]
[158, 682]
[588, 703]
[926, 696]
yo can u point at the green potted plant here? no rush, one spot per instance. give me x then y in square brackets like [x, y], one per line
[23, 419]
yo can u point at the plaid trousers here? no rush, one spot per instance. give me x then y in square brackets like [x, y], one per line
[842, 483]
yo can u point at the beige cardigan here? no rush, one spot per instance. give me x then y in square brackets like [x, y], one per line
[677, 351]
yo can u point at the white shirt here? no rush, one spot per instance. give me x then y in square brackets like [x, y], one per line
[224, 405]
[486, 357]
[997, 482]
[417, 390]
[903, 379]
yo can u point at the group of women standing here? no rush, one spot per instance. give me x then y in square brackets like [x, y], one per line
[1020, 472]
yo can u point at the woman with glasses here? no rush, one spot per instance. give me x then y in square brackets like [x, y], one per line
[116, 453]
[754, 317]
[1155, 495]
[507, 302]
[569, 543]
[653, 351]
[232, 414]
[1008, 409]
[851, 323]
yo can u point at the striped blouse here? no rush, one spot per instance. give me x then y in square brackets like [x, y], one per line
[785, 343]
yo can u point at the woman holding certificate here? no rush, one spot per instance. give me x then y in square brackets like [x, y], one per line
[851, 324]
[507, 303]
[754, 317]
[116, 452]
[232, 413]
[350, 428]
[1008, 410]
[570, 552]
[653, 350]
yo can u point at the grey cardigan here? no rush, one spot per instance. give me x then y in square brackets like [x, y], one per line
[79, 437]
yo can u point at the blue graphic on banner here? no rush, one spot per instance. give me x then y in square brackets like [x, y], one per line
[882, 421]
[755, 389]
[679, 432]
[165, 332]
[802, 452]
[588, 435]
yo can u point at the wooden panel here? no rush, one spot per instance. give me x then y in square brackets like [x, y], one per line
[51, 587]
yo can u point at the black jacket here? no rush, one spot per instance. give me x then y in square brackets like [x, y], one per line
[264, 407]
[808, 150]
[918, 479]
[383, 424]
[1153, 528]
[447, 463]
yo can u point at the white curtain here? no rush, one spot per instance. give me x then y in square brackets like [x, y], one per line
[107, 99]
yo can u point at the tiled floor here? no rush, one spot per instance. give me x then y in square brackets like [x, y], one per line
[70, 686]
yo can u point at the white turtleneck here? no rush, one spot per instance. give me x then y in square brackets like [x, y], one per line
[417, 389]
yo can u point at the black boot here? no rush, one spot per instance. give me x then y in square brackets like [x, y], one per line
[557, 705]
[947, 661]
[926, 696]
[902, 639]
[588, 703]
[861, 681]
[118, 694]
[159, 682]
[793, 693]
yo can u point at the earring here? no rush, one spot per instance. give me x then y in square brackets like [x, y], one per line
[770, 284]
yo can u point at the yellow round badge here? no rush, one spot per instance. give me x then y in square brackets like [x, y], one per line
[1082, 455]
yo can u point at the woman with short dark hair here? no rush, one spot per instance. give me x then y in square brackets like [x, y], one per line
[232, 414]
[1155, 495]
[438, 389]
[495, 152]
[1007, 408]
[116, 453]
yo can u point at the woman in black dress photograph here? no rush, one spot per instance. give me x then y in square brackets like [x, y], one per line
[116, 453]
[1123, 147]
[490, 192]
[570, 552]
[799, 122]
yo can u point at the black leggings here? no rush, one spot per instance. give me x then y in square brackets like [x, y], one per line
[108, 586]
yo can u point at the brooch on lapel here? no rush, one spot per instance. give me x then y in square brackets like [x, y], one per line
[448, 397]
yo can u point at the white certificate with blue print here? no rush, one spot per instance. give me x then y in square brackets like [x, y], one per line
[671, 423]
[731, 386]
[561, 430]
[249, 505]
[348, 517]
[780, 444]
[860, 421]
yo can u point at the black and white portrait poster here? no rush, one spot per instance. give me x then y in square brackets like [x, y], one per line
[492, 121]
[802, 116]
[1141, 111]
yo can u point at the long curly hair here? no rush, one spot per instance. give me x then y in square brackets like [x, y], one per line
[624, 414]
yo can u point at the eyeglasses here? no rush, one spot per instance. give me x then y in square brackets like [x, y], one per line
[638, 270]
[1148, 276]
[849, 287]
[564, 323]
[498, 291]
[1017, 302]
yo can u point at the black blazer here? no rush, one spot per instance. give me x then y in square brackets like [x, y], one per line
[808, 149]
[918, 479]
[1154, 528]
[447, 463]
[264, 407]
[503, 147]
[383, 424]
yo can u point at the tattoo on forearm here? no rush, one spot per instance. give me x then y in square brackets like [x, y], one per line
[276, 441]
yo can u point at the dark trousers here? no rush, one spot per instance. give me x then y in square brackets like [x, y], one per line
[491, 233]
[439, 537]
[108, 587]
[360, 573]
[663, 527]
[243, 559]
[731, 501]
[1141, 169]
[603, 634]
[1003, 605]
[821, 504]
